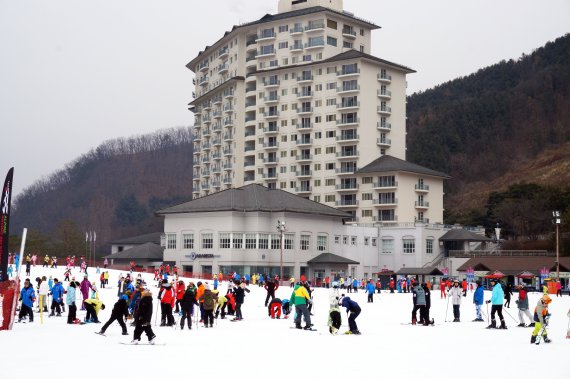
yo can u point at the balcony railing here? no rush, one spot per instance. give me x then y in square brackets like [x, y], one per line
[296, 29]
[384, 109]
[350, 71]
[272, 82]
[385, 184]
[385, 201]
[422, 204]
[384, 93]
[346, 154]
[266, 34]
[384, 125]
[384, 141]
[384, 77]
[348, 121]
[305, 126]
[315, 26]
[351, 88]
[347, 203]
[347, 186]
[348, 104]
[422, 187]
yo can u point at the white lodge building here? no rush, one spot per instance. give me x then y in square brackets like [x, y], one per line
[296, 121]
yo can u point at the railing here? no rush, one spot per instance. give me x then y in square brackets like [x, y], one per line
[348, 88]
[499, 253]
[422, 187]
[348, 72]
[315, 26]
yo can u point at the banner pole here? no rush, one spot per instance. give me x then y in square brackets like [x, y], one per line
[17, 286]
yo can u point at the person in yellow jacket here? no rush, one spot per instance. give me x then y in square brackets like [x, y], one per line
[292, 282]
[93, 306]
[106, 277]
[541, 316]
[300, 298]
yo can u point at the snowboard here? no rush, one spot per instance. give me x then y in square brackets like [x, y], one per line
[306, 330]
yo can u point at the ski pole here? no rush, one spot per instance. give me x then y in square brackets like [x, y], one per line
[488, 320]
[446, 309]
[156, 318]
[509, 315]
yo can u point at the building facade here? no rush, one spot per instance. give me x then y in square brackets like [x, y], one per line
[295, 101]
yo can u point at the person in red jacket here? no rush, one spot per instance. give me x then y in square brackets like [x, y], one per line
[392, 285]
[180, 289]
[464, 286]
[167, 297]
[442, 292]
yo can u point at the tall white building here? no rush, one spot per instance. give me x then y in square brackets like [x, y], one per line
[295, 101]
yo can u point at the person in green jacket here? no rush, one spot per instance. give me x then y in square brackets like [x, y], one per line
[300, 297]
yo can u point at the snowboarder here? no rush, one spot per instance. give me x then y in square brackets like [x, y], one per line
[455, 293]
[541, 316]
[522, 305]
[478, 298]
[120, 310]
[300, 298]
[142, 323]
[353, 309]
[496, 305]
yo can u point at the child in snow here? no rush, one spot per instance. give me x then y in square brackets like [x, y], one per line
[285, 307]
[478, 297]
[522, 305]
[27, 296]
[187, 305]
[274, 308]
[541, 316]
[370, 290]
[353, 309]
[144, 319]
[455, 293]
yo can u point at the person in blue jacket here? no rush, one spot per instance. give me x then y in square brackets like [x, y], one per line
[370, 290]
[497, 305]
[27, 296]
[215, 283]
[353, 309]
[355, 285]
[478, 300]
[57, 298]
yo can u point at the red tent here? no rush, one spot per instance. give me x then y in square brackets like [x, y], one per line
[495, 275]
[525, 275]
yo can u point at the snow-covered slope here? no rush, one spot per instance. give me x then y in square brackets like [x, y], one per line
[259, 346]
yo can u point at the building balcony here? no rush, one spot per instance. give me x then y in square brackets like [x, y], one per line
[248, 164]
[348, 72]
[266, 36]
[203, 66]
[228, 93]
[228, 151]
[348, 138]
[251, 62]
[296, 30]
[217, 100]
[296, 48]
[216, 156]
[384, 142]
[249, 120]
[269, 115]
[304, 158]
[346, 203]
[347, 154]
[197, 125]
[265, 53]
[206, 120]
[385, 202]
[216, 184]
[348, 105]
[422, 188]
[384, 78]
[272, 83]
[196, 189]
[347, 89]
[196, 163]
[270, 161]
[271, 146]
[384, 94]
[304, 79]
[203, 81]
[387, 219]
[223, 53]
[227, 166]
[227, 180]
[216, 169]
[385, 185]
[384, 126]
[207, 106]
[205, 173]
[228, 137]
[305, 126]
[383, 109]
[223, 68]
[346, 171]
[304, 110]
[422, 204]
[303, 189]
[206, 160]
[217, 127]
[249, 133]
[304, 173]
[315, 27]
[228, 122]
[348, 122]
[250, 89]
[205, 187]
[314, 45]
[347, 187]
[251, 45]
[304, 142]
[229, 108]
[248, 178]
[270, 177]
[216, 142]
[249, 148]
[349, 33]
[271, 99]
[206, 132]
[304, 94]
[271, 130]
[250, 106]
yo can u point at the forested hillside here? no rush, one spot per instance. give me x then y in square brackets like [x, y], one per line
[112, 190]
[494, 124]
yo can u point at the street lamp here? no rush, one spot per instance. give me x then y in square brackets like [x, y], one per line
[557, 219]
[281, 229]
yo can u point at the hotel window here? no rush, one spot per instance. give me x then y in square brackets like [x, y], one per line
[330, 166]
[171, 240]
[331, 150]
[332, 24]
[263, 241]
[251, 241]
[275, 241]
[331, 41]
[331, 102]
[331, 85]
[305, 242]
[283, 154]
[225, 240]
[429, 246]
[317, 166]
[188, 240]
[317, 183]
[367, 196]
[367, 213]
[283, 185]
[283, 45]
[373, 241]
[321, 243]
[367, 180]
[307, 58]
[289, 241]
[353, 240]
[337, 239]
[283, 169]
[283, 28]
[207, 240]
[317, 198]
[345, 240]
[345, 44]
[237, 240]
[330, 182]
[387, 246]
[331, 117]
[330, 198]
[366, 241]
[409, 246]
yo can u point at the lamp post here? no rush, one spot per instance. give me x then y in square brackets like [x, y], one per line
[281, 229]
[557, 219]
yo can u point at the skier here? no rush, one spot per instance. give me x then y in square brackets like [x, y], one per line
[85, 287]
[70, 300]
[391, 285]
[209, 300]
[427, 291]
[370, 290]
[442, 292]
[187, 305]
[93, 306]
[353, 308]
[144, 319]
[541, 316]
[285, 308]
[166, 297]
[239, 294]
[300, 298]
[57, 298]
[335, 320]
[270, 286]
[27, 296]
[522, 305]
[419, 300]
[496, 305]
[199, 293]
[455, 293]
[120, 310]
[180, 290]
[478, 297]
[43, 291]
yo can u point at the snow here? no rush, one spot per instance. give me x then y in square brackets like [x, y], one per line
[260, 346]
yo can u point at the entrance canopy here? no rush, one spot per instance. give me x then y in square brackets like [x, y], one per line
[495, 275]
[328, 258]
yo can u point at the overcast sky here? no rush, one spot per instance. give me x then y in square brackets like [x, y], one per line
[74, 73]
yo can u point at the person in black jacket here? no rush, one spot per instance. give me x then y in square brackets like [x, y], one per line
[508, 293]
[239, 294]
[426, 320]
[144, 319]
[270, 286]
[187, 305]
[120, 310]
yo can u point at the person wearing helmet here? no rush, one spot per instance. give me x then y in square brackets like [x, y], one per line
[497, 305]
[541, 316]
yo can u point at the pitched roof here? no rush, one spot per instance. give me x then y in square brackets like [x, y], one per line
[388, 163]
[514, 265]
[346, 55]
[146, 251]
[329, 258]
[419, 271]
[138, 240]
[254, 198]
[463, 235]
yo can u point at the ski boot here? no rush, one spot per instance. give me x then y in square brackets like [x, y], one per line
[307, 327]
[493, 325]
[298, 326]
[546, 339]
[522, 325]
[134, 342]
[414, 321]
[357, 332]
[533, 339]
[152, 340]
[125, 333]
[503, 325]
[531, 325]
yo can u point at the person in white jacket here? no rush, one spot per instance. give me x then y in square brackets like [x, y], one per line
[455, 292]
[43, 290]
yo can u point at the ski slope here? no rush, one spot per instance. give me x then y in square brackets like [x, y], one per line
[259, 346]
